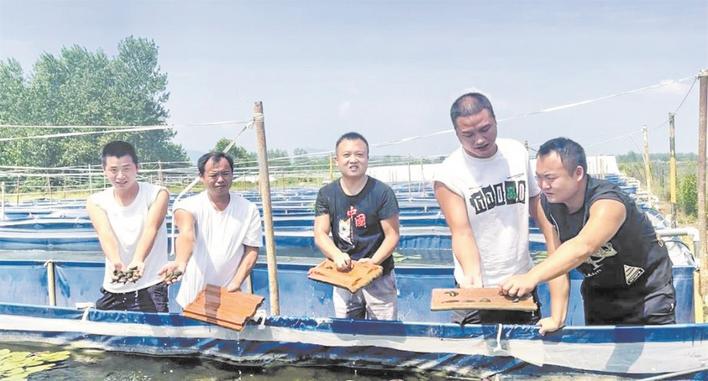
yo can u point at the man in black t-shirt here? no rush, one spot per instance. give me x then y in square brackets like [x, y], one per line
[362, 215]
[601, 232]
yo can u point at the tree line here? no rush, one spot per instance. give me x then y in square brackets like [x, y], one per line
[78, 87]
[632, 164]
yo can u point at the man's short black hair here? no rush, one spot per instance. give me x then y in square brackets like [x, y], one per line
[571, 153]
[215, 157]
[352, 136]
[118, 149]
[470, 104]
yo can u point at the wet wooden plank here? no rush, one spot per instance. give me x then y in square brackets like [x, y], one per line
[478, 299]
[353, 280]
[227, 309]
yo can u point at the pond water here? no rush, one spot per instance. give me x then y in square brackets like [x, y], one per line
[99, 365]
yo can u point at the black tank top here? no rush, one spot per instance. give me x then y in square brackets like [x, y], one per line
[634, 259]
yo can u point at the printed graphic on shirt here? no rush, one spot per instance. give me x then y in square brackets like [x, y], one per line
[632, 273]
[354, 218]
[505, 193]
[605, 251]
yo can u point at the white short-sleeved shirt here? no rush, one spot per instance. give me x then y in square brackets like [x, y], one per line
[128, 223]
[220, 239]
[496, 191]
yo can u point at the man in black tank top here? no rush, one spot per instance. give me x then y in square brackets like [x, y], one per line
[601, 232]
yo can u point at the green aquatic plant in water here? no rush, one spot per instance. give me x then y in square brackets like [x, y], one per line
[20, 365]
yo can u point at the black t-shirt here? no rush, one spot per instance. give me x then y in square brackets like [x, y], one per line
[356, 220]
[634, 261]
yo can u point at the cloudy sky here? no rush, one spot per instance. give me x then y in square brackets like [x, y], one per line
[390, 69]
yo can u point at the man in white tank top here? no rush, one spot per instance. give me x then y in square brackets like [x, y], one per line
[129, 218]
[219, 233]
[487, 192]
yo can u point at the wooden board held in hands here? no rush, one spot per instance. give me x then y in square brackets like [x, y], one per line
[361, 274]
[227, 309]
[478, 299]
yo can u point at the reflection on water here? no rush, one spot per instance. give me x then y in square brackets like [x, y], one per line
[98, 365]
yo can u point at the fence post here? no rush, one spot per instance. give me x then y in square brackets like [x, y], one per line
[264, 180]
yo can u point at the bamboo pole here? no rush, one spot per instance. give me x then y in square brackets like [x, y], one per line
[90, 181]
[672, 168]
[17, 191]
[702, 126]
[647, 166]
[51, 285]
[410, 179]
[49, 187]
[160, 179]
[264, 181]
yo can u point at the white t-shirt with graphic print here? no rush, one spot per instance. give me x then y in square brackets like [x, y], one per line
[496, 191]
[220, 237]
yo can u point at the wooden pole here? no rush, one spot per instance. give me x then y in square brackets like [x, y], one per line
[702, 126]
[422, 177]
[672, 168]
[51, 284]
[647, 167]
[49, 187]
[410, 178]
[160, 179]
[264, 181]
[90, 180]
[63, 184]
[17, 191]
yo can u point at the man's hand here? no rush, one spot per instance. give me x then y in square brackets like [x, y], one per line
[138, 268]
[518, 286]
[548, 325]
[343, 262]
[118, 266]
[172, 272]
[231, 287]
[365, 260]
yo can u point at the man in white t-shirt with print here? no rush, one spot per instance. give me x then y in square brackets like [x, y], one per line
[129, 218]
[219, 233]
[487, 191]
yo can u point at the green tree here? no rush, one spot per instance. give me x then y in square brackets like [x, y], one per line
[688, 195]
[13, 103]
[82, 88]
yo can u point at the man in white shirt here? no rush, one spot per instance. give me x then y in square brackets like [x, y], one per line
[219, 233]
[487, 192]
[129, 218]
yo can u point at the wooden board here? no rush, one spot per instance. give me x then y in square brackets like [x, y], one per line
[361, 274]
[227, 309]
[478, 299]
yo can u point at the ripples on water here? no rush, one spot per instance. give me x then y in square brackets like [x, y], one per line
[99, 365]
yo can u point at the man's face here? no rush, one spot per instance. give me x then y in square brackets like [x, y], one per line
[217, 177]
[121, 171]
[477, 134]
[352, 158]
[553, 178]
